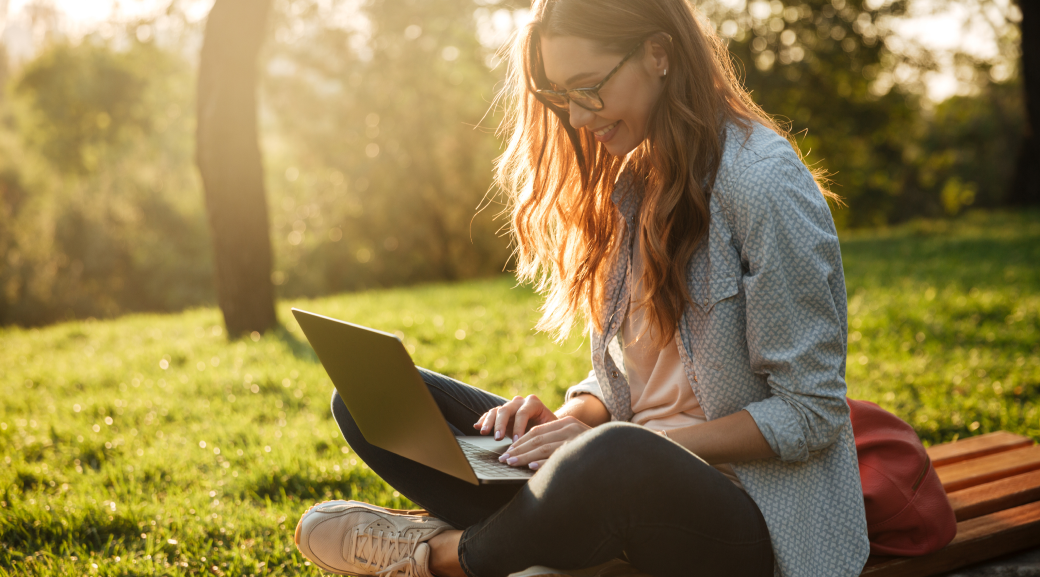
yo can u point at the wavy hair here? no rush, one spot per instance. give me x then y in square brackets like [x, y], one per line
[558, 180]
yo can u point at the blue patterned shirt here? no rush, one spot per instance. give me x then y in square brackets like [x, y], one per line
[767, 334]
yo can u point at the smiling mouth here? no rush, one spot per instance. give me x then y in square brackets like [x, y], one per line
[605, 129]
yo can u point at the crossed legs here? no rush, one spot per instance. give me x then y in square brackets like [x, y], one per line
[618, 490]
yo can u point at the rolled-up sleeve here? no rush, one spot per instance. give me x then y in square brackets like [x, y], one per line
[796, 304]
[590, 386]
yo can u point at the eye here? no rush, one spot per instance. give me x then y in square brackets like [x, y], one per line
[590, 83]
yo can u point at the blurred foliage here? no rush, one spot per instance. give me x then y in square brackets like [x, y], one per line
[98, 196]
[804, 58]
[388, 163]
[825, 69]
[81, 99]
[378, 144]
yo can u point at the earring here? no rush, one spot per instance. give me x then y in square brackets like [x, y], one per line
[665, 73]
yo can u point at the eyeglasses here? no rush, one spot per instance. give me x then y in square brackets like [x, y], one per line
[587, 98]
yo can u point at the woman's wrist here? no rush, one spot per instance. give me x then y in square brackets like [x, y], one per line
[585, 407]
[731, 439]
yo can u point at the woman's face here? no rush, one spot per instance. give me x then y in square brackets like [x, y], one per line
[628, 96]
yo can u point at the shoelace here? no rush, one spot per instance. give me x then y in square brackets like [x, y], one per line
[372, 551]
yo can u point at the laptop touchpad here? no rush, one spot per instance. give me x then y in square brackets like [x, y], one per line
[488, 443]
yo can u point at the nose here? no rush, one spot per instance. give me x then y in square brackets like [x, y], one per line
[580, 116]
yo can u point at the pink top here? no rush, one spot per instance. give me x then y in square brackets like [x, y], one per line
[661, 394]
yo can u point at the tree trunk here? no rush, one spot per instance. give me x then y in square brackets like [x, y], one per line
[228, 155]
[1025, 187]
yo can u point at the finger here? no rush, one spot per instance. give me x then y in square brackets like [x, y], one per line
[532, 406]
[505, 415]
[539, 453]
[544, 429]
[534, 443]
[480, 421]
[487, 420]
[535, 465]
[530, 446]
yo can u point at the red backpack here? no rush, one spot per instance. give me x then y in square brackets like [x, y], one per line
[907, 510]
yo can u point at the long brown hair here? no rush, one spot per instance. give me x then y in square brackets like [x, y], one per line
[558, 180]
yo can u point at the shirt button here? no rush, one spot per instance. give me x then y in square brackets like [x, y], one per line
[614, 374]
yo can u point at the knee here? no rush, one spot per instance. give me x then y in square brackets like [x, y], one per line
[619, 437]
[337, 402]
[341, 413]
[601, 452]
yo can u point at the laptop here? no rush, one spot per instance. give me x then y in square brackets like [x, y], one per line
[392, 407]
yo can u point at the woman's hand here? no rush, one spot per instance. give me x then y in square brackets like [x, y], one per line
[541, 441]
[512, 418]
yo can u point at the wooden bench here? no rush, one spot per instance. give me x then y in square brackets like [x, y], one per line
[993, 482]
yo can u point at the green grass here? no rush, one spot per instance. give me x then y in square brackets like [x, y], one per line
[150, 445]
[944, 323]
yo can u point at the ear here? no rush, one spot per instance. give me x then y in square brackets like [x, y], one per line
[656, 59]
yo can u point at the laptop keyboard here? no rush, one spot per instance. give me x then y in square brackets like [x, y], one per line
[487, 464]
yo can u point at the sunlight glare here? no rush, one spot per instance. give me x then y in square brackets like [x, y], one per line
[84, 13]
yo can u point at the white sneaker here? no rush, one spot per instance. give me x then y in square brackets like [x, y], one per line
[354, 538]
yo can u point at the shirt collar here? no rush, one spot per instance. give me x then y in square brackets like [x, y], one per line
[627, 194]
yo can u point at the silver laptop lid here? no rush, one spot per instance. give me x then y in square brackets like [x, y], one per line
[385, 394]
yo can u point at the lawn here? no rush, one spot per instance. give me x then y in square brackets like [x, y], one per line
[151, 445]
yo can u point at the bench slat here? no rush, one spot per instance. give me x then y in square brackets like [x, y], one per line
[989, 468]
[977, 540]
[974, 447]
[996, 496]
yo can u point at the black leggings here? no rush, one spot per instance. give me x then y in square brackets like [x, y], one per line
[618, 490]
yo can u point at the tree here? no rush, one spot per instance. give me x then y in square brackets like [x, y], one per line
[228, 155]
[1025, 188]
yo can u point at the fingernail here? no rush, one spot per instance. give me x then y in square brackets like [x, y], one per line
[534, 466]
[498, 435]
[503, 457]
[512, 460]
[516, 438]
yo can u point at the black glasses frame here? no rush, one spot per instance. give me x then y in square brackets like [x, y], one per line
[561, 98]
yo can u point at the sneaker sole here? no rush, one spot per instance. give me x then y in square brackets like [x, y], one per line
[613, 568]
[299, 529]
[299, 524]
[540, 572]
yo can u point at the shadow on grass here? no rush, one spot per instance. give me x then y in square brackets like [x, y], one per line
[984, 263]
[300, 349]
[282, 485]
[41, 537]
[92, 529]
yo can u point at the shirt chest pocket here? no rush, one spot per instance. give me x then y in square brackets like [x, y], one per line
[708, 293]
[715, 269]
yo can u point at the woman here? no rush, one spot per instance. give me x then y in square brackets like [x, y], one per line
[653, 200]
